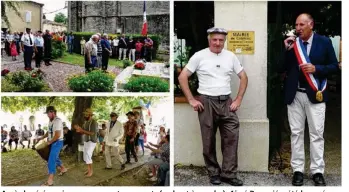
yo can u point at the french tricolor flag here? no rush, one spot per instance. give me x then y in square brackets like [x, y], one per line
[145, 25]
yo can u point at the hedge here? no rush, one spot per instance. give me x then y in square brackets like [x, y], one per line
[87, 35]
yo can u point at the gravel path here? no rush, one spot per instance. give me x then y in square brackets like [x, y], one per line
[197, 176]
[55, 74]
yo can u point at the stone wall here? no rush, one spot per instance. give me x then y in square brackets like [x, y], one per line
[109, 16]
[132, 8]
[157, 24]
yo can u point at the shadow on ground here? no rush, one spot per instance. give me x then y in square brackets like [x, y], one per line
[24, 167]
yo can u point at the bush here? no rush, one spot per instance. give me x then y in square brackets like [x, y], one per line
[147, 84]
[127, 63]
[95, 81]
[24, 82]
[87, 35]
[8, 86]
[58, 48]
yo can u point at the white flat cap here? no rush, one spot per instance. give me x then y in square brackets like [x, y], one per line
[217, 30]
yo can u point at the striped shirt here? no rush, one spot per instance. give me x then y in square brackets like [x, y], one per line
[165, 154]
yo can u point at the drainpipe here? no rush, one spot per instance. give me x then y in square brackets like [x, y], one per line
[41, 15]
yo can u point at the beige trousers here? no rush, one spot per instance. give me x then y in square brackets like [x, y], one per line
[298, 111]
[108, 153]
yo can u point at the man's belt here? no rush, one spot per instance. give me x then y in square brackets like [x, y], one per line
[302, 90]
[219, 98]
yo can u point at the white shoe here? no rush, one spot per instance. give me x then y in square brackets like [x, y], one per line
[150, 174]
[153, 179]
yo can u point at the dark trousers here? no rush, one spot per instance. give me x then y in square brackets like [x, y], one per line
[47, 53]
[18, 47]
[89, 67]
[138, 55]
[38, 56]
[105, 60]
[148, 54]
[217, 114]
[115, 52]
[13, 140]
[163, 170]
[130, 149]
[7, 48]
[28, 55]
[70, 47]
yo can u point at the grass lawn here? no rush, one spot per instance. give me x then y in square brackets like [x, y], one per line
[76, 59]
[23, 165]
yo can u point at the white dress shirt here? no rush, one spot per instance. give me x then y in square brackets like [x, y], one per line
[26, 41]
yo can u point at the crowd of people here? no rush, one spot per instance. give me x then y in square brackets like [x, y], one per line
[97, 50]
[36, 45]
[102, 138]
[100, 48]
[15, 136]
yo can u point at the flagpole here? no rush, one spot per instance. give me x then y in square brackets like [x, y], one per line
[144, 26]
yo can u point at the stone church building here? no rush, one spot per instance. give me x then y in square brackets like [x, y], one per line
[119, 17]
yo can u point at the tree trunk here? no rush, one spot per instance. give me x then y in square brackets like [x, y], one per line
[81, 104]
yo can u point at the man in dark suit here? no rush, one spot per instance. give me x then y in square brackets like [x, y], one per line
[47, 47]
[306, 94]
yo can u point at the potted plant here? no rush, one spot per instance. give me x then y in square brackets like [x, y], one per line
[182, 58]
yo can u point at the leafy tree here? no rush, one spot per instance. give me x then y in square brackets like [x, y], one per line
[74, 107]
[60, 18]
[6, 6]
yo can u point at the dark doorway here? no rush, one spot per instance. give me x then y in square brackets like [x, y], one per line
[191, 21]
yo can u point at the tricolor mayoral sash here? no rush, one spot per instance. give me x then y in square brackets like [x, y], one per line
[303, 58]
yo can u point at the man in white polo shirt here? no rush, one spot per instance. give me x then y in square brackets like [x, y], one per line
[214, 67]
[27, 48]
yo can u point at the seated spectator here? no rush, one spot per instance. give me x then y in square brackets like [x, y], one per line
[163, 170]
[67, 139]
[161, 134]
[39, 134]
[163, 161]
[3, 138]
[13, 137]
[167, 181]
[25, 136]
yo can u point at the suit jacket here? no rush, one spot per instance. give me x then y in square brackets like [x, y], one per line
[321, 55]
[112, 137]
